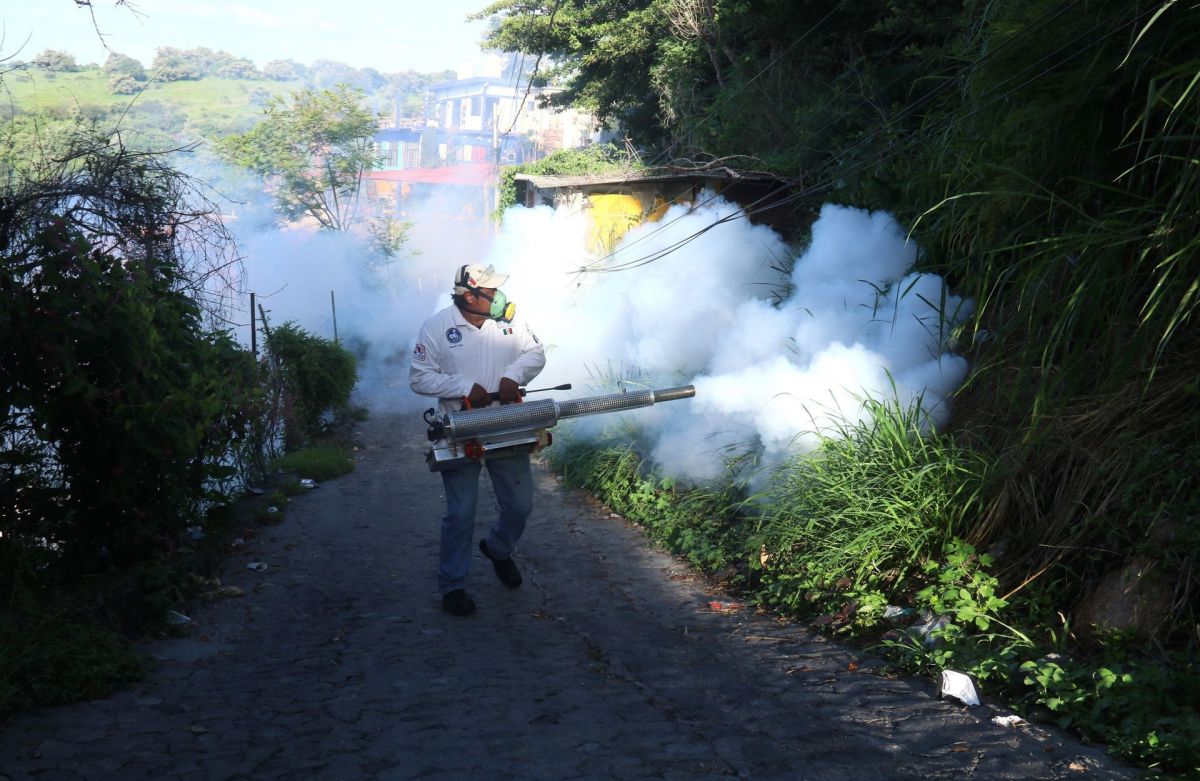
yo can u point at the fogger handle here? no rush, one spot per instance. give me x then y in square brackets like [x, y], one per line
[565, 386]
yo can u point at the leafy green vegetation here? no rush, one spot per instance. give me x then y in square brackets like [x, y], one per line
[594, 159]
[315, 148]
[1044, 156]
[50, 658]
[866, 509]
[317, 462]
[318, 376]
[694, 523]
[131, 421]
[120, 406]
[888, 569]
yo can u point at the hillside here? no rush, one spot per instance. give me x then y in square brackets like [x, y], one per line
[211, 105]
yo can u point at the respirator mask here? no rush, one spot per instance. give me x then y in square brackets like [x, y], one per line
[501, 309]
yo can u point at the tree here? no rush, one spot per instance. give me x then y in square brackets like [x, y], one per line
[330, 73]
[314, 151]
[118, 404]
[238, 68]
[171, 64]
[715, 78]
[123, 65]
[54, 60]
[122, 84]
[603, 52]
[284, 70]
[372, 79]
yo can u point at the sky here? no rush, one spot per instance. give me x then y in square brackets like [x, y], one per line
[388, 35]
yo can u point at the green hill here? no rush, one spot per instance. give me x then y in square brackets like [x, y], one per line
[209, 106]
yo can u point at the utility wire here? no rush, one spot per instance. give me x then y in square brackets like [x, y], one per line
[896, 149]
[1043, 20]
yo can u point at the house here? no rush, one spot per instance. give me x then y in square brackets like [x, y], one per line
[487, 117]
[494, 113]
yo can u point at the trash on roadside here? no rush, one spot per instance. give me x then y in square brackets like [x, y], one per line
[255, 490]
[717, 606]
[196, 532]
[927, 632]
[1007, 721]
[308, 482]
[893, 612]
[959, 686]
[257, 566]
[223, 592]
[271, 510]
[177, 618]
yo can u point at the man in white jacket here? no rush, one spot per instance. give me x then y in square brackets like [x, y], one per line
[468, 351]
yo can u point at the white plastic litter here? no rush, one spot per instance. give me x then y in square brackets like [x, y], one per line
[960, 687]
[257, 566]
[308, 482]
[928, 631]
[177, 618]
[1007, 721]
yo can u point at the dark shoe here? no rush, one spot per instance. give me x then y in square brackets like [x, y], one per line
[458, 603]
[506, 569]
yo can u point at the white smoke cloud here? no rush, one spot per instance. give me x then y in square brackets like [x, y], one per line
[769, 373]
[379, 305]
[774, 357]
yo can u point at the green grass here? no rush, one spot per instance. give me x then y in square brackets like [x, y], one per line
[223, 100]
[867, 507]
[54, 658]
[319, 462]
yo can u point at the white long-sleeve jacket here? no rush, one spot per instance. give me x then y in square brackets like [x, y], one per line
[451, 355]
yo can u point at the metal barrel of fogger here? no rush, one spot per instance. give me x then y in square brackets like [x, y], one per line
[544, 413]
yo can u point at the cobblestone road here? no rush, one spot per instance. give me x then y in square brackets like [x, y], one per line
[607, 664]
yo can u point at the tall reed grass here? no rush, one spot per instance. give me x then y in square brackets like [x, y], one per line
[867, 507]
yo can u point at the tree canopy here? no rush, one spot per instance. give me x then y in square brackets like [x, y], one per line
[314, 150]
[723, 77]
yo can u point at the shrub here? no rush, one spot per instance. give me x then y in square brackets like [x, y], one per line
[60, 658]
[124, 85]
[318, 376]
[866, 506]
[120, 406]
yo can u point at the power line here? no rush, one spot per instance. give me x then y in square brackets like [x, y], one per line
[1044, 19]
[862, 165]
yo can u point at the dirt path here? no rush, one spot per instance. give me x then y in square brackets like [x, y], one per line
[607, 664]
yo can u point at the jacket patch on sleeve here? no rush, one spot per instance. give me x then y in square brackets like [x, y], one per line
[419, 352]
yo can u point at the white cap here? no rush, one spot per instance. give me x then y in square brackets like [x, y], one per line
[475, 276]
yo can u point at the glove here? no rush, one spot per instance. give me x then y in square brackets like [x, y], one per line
[479, 398]
[510, 392]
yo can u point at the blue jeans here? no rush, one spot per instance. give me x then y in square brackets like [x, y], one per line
[513, 480]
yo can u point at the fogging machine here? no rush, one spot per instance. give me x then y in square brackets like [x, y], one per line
[475, 435]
